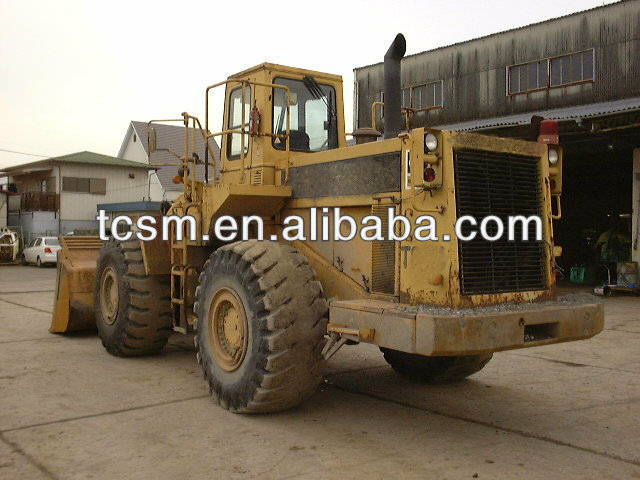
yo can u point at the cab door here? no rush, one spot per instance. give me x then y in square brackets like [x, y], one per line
[236, 145]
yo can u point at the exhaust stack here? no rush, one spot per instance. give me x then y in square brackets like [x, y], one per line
[392, 91]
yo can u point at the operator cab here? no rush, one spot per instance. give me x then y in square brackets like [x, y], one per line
[273, 113]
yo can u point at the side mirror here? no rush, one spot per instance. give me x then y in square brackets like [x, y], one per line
[151, 139]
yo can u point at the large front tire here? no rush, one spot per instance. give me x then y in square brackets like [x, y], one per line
[132, 309]
[435, 369]
[260, 328]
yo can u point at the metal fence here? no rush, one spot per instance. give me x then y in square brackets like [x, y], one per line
[39, 202]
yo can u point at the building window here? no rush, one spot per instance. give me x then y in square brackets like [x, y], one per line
[551, 72]
[422, 96]
[426, 96]
[84, 185]
[573, 68]
[98, 186]
[406, 97]
[528, 76]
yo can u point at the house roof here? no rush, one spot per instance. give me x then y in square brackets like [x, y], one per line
[563, 114]
[83, 158]
[172, 138]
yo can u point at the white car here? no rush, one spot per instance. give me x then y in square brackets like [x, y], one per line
[41, 250]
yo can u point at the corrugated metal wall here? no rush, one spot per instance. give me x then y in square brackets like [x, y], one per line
[474, 72]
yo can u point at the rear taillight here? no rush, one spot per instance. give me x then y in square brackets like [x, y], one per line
[47, 250]
[549, 132]
[429, 175]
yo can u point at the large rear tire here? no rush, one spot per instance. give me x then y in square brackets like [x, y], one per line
[435, 369]
[132, 309]
[260, 328]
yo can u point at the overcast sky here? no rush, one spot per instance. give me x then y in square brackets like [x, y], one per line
[73, 74]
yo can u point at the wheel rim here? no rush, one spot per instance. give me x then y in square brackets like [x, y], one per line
[109, 295]
[228, 330]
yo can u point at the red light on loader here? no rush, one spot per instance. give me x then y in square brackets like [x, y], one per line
[549, 132]
[429, 175]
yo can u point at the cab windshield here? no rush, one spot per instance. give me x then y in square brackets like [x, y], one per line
[313, 115]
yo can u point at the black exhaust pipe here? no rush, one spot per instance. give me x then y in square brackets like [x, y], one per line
[393, 124]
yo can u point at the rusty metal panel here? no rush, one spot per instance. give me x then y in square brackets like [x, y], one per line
[436, 331]
[368, 174]
[383, 257]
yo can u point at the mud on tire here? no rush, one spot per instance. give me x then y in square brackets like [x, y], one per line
[435, 369]
[140, 322]
[286, 319]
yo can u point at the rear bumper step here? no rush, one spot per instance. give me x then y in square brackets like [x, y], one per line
[432, 331]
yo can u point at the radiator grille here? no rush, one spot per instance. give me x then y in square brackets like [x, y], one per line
[383, 257]
[503, 185]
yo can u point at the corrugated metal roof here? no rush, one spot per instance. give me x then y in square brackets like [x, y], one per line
[85, 158]
[483, 37]
[568, 113]
[172, 138]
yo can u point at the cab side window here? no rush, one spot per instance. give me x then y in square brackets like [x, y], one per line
[312, 106]
[234, 142]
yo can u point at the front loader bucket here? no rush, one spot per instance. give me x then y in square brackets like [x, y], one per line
[73, 304]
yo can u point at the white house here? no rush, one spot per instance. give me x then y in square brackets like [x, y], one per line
[135, 148]
[60, 194]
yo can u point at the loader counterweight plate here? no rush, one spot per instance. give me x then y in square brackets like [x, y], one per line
[440, 331]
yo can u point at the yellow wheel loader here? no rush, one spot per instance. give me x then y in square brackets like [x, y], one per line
[267, 310]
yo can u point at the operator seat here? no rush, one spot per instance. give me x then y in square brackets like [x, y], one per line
[299, 140]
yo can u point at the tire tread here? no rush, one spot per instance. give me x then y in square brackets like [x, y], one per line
[291, 317]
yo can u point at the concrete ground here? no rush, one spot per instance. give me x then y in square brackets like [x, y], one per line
[70, 410]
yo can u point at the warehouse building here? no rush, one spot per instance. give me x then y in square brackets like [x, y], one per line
[582, 70]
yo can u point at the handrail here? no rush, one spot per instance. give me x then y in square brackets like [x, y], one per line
[189, 176]
[252, 84]
[407, 111]
[187, 158]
